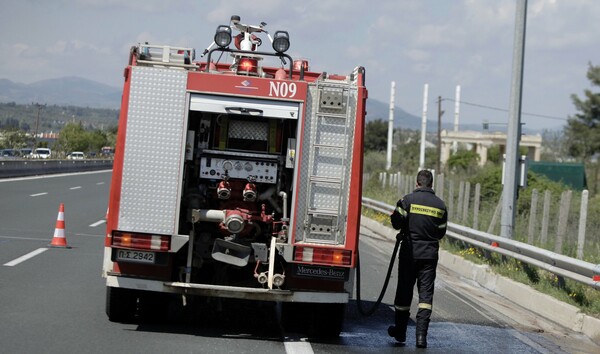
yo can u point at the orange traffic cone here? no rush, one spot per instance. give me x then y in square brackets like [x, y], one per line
[59, 239]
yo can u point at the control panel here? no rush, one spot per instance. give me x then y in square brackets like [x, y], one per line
[258, 171]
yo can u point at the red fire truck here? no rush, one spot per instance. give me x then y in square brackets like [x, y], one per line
[235, 179]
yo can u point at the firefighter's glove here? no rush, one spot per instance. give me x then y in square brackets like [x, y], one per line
[399, 237]
[396, 220]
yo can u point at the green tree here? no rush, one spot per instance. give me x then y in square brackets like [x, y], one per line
[73, 138]
[376, 135]
[13, 139]
[97, 139]
[406, 155]
[583, 130]
[463, 160]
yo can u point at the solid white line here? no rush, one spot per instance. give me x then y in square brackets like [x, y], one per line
[52, 176]
[300, 347]
[38, 194]
[75, 187]
[23, 238]
[100, 222]
[25, 257]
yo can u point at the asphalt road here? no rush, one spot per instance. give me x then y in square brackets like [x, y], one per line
[52, 300]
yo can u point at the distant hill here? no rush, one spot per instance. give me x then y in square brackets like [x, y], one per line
[402, 119]
[66, 91]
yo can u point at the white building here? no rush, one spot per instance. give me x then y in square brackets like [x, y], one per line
[480, 142]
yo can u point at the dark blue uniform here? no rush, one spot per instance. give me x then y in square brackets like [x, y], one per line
[422, 217]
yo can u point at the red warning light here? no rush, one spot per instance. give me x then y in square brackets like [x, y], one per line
[247, 66]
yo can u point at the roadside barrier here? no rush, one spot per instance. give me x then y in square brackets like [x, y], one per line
[22, 168]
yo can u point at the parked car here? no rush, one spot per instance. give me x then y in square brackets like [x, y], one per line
[8, 154]
[76, 155]
[41, 153]
[26, 153]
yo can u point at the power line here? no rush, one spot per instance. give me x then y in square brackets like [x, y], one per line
[505, 110]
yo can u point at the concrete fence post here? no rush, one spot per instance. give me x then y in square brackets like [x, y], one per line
[459, 204]
[582, 223]
[532, 217]
[439, 186]
[563, 218]
[496, 215]
[466, 200]
[545, 217]
[476, 202]
[450, 201]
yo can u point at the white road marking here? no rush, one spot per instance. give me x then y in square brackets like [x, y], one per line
[23, 238]
[52, 176]
[97, 223]
[298, 347]
[25, 257]
[100, 183]
[38, 194]
[75, 187]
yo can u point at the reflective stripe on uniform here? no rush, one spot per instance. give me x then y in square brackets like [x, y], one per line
[426, 210]
[402, 308]
[401, 211]
[441, 226]
[425, 306]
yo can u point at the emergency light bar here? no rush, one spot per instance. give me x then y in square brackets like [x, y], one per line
[247, 66]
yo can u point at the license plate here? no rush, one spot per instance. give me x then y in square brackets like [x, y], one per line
[136, 256]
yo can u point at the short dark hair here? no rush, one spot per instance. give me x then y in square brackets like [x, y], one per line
[424, 179]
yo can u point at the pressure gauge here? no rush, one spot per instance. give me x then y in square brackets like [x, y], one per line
[227, 165]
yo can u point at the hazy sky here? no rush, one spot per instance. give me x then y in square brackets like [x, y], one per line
[443, 43]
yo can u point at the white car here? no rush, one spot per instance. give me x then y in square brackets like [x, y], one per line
[76, 155]
[41, 153]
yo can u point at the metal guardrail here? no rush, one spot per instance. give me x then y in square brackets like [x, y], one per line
[20, 167]
[575, 269]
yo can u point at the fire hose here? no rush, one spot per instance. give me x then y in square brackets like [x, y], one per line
[359, 303]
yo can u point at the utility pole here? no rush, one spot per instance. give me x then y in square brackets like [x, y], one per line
[390, 128]
[513, 137]
[439, 133]
[423, 128]
[456, 116]
[37, 121]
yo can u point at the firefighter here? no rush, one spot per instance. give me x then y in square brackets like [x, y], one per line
[421, 218]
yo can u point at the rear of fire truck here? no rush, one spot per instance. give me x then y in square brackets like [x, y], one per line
[235, 179]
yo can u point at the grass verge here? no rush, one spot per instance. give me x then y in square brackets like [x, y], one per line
[585, 298]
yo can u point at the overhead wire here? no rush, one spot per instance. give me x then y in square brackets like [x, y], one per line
[505, 110]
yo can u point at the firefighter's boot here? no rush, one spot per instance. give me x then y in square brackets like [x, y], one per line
[421, 340]
[399, 330]
[423, 316]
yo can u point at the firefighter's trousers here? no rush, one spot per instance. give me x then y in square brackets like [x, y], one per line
[421, 271]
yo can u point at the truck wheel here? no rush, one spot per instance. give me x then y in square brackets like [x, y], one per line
[315, 320]
[153, 306]
[329, 319]
[121, 304]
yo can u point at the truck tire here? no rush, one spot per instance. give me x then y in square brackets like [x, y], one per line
[121, 304]
[153, 306]
[315, 320]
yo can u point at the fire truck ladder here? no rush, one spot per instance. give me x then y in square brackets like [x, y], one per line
[328, 160]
